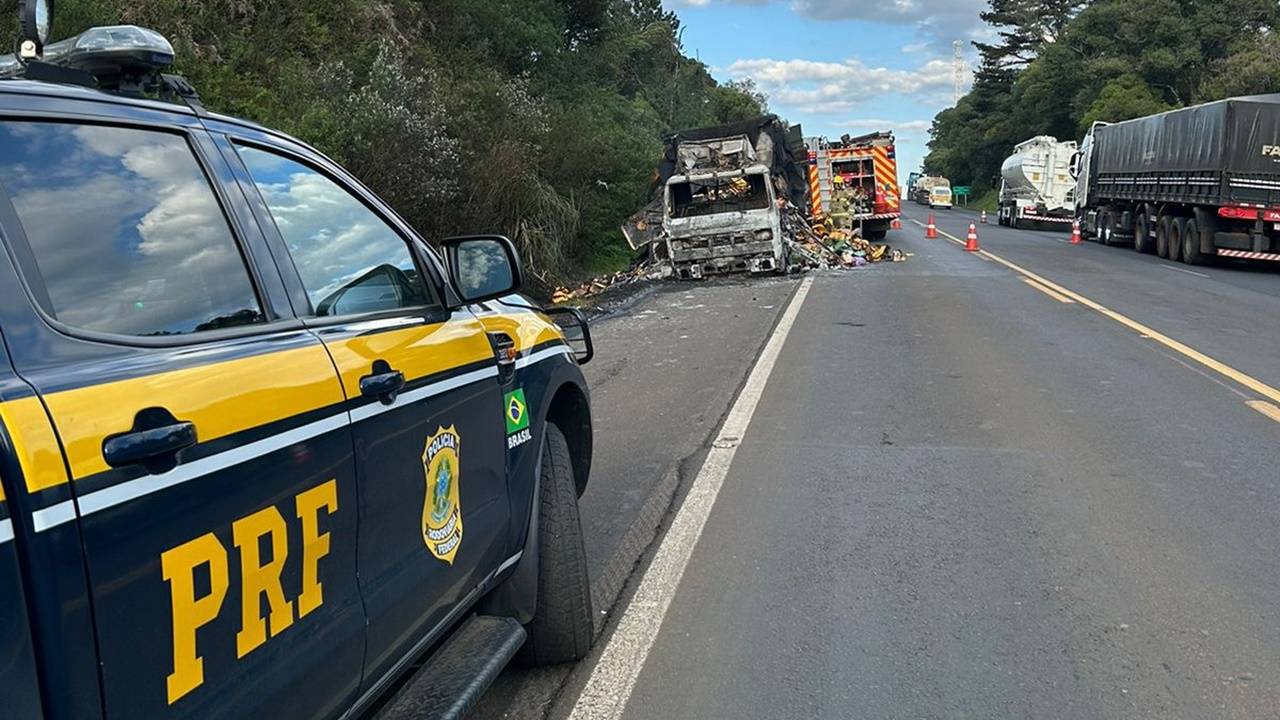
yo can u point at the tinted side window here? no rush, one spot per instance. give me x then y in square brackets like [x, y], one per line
[349, 259]
[126, 232]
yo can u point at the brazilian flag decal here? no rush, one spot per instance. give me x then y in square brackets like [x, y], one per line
[516, 411]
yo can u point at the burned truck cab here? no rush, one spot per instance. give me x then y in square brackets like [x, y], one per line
[724, 222]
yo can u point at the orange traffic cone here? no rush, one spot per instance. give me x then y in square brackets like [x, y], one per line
[971, 242]
[1075, 232]
[930, 230]
[895, 224]
[983, 220]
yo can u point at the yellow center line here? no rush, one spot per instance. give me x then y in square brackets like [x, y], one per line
[1049, 291]
[1265, 408]
[1191, 353]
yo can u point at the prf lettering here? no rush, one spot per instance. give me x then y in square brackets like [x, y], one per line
[250, 533]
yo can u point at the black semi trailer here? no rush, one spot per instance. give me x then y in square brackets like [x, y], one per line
[1186, 184]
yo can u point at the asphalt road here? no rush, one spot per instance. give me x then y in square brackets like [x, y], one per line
[961, 495]
[667, 366]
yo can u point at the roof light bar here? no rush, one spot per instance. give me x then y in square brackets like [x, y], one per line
[111, 50]
[107, 53]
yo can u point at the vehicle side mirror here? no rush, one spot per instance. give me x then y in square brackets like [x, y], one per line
[482, 267]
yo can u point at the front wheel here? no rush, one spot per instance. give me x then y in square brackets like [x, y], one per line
[562, 628]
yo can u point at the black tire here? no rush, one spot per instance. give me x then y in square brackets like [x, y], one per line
[1106, 227]
[1191, 244]
[1142, 233]
[563, 627]
[875, 234]
[1162, 237]
[1176, 228]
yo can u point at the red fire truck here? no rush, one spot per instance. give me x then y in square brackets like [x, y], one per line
[853, 183]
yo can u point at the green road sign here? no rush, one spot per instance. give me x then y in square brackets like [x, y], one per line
[960, 190]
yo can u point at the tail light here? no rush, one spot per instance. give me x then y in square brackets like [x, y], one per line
[1238, 213]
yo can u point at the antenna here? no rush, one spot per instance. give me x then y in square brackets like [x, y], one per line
[958, 68]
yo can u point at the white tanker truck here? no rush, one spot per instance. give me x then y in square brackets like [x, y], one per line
[1036, 188]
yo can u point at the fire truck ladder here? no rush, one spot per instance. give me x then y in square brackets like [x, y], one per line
[823, 159]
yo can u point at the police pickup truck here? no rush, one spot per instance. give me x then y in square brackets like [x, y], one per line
[262, 449]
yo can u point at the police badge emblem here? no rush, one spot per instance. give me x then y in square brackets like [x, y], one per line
[441, 511]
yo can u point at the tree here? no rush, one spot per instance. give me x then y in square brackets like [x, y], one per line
[1123, 98]
[1253, 68]
[1024, 26]
[1059, 67]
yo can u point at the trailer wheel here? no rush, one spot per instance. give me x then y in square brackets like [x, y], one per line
[1142, 233]
[1177, 228]
[1191, 244]
[1162, 236]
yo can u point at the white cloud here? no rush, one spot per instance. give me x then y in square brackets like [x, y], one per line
[826, 87]
[914, 47]
[899, 127]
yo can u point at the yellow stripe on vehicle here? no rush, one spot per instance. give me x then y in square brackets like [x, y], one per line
[34, 443]
[220, 399]
[417, 352]
[529, 330]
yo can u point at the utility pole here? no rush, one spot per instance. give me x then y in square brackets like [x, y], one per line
[958, 68]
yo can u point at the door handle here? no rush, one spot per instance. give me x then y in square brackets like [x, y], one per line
[156, 447]
[384, 384]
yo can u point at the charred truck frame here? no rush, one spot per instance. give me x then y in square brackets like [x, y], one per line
[723, 192]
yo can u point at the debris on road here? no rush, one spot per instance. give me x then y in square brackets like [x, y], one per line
[827, 247]
[736, 199]
[647, 270]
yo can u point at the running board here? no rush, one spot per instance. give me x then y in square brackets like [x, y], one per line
[453, 679]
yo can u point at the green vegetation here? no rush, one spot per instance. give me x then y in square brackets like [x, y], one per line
[1060, 65]
[538, 119]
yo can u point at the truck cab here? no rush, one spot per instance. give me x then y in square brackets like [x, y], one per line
[262, 447]
[1079, 169]
[940, 197]
[724, 222]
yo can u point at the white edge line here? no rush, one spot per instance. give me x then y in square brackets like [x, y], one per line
[614, 676]
[63, 512]
[1184, 270]
[6, 530]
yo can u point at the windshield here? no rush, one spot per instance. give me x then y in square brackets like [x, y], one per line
[711, 196]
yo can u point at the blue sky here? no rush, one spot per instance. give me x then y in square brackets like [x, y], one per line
[838, 66]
